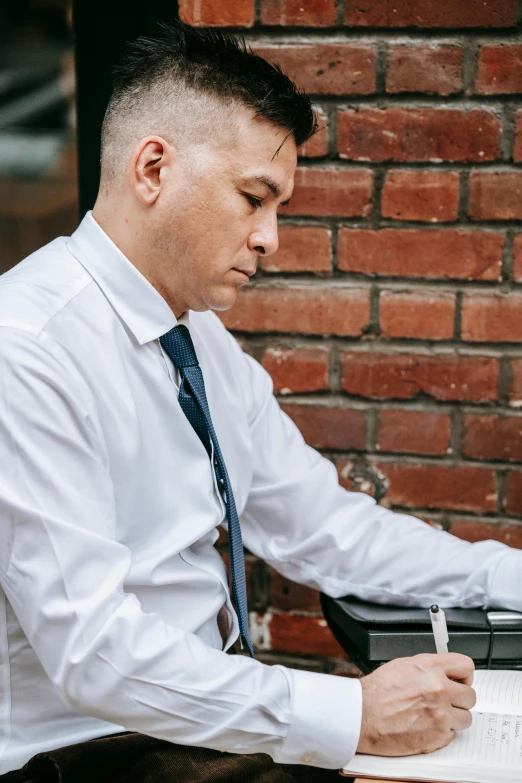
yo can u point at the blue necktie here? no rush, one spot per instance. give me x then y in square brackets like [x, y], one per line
[193, 401]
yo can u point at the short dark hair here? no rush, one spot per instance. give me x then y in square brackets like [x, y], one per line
[219, 64]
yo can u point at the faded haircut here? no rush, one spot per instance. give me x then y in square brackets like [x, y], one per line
[186, 84]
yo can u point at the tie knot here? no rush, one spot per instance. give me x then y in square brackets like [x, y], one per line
[179, 346]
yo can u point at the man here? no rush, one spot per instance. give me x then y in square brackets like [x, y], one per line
[132, 425]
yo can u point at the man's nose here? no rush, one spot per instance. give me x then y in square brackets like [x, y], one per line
[264, 240]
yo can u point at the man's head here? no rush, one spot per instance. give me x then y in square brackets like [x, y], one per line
[198, 151]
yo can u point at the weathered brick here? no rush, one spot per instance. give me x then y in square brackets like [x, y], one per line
[287, 595]
[495, 195]
[300, 310]
[215, 13]
[421, 195]
[421, 315]
[455, 487]
[517, 152]
[413, 134]
[329, 428]
[515, 384]
[301, 249]
[295, 370]
[492, 317]
[471, 529]
[416, 432]
[517, 257]
[326, 69]
[499, 69]
[432, 13]
[335, 192]
[317, 146]
[302, 635]
[432, 69]
[513, 496]
[456, 254]
[317, 13]
[405, 376]
[493, 437]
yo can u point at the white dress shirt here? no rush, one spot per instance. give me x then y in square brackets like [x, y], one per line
[109, 514]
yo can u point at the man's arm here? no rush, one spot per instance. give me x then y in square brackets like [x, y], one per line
[63, 571]
[305, 525]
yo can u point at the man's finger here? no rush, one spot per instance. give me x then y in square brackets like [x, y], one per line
[460, 719]
[462, 696]
[458, 667]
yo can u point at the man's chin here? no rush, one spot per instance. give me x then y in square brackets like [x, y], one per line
[222, 300]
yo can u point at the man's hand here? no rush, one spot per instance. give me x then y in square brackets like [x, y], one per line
[415, 705]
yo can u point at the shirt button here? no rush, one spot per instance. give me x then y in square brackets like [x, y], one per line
[306, 758]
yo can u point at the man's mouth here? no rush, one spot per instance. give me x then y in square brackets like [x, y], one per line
[248, 272]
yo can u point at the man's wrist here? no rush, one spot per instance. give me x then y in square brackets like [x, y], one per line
[326, 720]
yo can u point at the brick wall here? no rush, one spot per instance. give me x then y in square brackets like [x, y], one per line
[391, 317]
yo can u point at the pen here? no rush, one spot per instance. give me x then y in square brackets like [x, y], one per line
[440, 630]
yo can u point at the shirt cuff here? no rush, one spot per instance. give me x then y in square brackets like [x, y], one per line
[505, 588]
[326, 720]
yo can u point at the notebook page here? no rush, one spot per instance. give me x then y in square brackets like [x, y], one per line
[498, 691]
[494, 740]
[490, 751]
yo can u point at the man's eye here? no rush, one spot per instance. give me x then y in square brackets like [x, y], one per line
[254, 202]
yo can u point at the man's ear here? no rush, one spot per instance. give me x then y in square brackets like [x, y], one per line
[151, 156]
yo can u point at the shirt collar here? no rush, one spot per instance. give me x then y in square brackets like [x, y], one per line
[140, 306]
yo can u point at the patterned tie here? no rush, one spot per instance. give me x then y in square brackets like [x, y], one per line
[193, 401]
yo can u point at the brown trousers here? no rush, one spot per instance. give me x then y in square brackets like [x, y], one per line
[136, 758]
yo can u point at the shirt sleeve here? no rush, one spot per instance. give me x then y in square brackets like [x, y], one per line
[301, 521]
[63, 571]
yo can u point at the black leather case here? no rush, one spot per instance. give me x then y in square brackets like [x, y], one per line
[373, 634]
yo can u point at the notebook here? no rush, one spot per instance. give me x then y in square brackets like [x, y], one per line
[490, 751]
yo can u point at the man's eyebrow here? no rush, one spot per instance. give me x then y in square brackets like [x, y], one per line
[272, 186]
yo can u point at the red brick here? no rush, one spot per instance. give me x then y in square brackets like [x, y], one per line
[460, 488]
[422, 315]
[513, 497]
[295, 370]
[331, 192]
[404, 376]
[287, 595]
[317, 13]
[517, 152]
[301, 249]
[421, 195]
[515, 386]
[495, 195]
[326, 69]
[517, 257]
[473, 530]
[300, 310]
[329, 428]
[303, 636]
[317, 146]
[453, 254]
[409, 134]
[433, 69]
[493, 437]
[416, 432]
[499, 69]
[216, 13]
[492, 317]
[432, 13]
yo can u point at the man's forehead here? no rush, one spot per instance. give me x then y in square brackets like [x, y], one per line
[258, 140]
